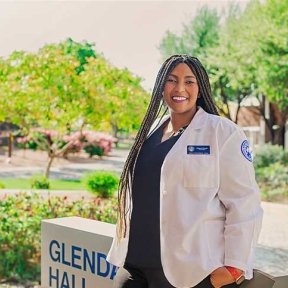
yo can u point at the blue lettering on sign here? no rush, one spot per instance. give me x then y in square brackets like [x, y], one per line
[114, 271]
[53, 277]
[64, 280]
[64, 261]
[82, 259]
[52, 255]
[75, 256]
[89, 260]
[99, 272]
[198, 149]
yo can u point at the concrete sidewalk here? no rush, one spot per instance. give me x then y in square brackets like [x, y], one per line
[272, 249]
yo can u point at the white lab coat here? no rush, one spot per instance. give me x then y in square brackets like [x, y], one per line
[210, 213]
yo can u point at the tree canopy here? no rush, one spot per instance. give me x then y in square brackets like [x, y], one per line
[68, 85]
[247, 54]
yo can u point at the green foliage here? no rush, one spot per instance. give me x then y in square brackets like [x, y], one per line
[102, 183]
[246, 55]
[59, 86]
[39, 182]
[2, 185]
[20, 225]
[83, 51]
[269, 154]
[272, 171]
[254, 51]
[275, 175]
[94, 150]
[273, 71]
[197, 37]
[273, 181]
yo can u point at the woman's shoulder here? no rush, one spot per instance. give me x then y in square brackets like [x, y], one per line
[223, 122]
[224, 127]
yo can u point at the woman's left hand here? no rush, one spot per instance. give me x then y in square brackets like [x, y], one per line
[221, 277]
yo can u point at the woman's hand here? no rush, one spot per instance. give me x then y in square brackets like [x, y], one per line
[220, 277]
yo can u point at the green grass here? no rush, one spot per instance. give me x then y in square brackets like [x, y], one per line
[11, 183]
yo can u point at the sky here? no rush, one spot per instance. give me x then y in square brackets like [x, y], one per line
[128, 33]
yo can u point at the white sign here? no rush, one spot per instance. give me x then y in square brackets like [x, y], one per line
[73, 253]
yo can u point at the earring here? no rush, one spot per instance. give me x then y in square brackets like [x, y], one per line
[199, 96]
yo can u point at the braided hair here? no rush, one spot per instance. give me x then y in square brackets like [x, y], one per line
[154, 109]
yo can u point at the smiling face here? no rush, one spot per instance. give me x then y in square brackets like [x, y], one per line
[181, 90]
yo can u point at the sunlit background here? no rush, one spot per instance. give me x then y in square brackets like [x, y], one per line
[127, 32]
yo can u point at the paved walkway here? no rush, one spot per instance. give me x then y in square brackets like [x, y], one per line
[272, 249]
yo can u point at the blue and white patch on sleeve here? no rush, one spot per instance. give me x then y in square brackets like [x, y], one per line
[246, 151]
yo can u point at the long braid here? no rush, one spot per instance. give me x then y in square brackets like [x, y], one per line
[153, 111]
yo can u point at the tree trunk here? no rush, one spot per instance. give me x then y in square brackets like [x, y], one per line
[278, 127]
[240, 98]
[225, 101]
[51, 158]
[275, 123]
[10, 144]
[114, 132]
[268, 121]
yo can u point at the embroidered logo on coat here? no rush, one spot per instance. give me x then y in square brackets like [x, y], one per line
[246, 151]
[198, 149]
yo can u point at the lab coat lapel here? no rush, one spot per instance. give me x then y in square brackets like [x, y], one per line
[197, 122]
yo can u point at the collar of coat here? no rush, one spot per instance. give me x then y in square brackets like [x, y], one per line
[197, 122]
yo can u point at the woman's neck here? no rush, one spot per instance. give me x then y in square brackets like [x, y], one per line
[178, 121]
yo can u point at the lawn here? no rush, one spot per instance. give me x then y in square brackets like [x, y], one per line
[55, 184]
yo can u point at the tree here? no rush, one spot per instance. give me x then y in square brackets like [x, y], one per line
[255, 51]
[64, 87]
[273, 60]
[197, 36]
[123, 101]
[232, 64]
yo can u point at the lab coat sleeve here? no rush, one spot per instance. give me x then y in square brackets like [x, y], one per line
[240, 195]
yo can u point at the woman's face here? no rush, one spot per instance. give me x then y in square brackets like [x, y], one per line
[181, 90]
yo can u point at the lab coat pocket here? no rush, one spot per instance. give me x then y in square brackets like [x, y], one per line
[216, 241]
[200, 171]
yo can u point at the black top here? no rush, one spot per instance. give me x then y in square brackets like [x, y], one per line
[144, 237]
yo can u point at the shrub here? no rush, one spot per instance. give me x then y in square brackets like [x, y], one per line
[102, 183]
[273, 181]
[93, 143]
[97, 143]
[20, 224]
[271, 172]
[94, 150]
[26, 143]
[269, 154]
[39, 182]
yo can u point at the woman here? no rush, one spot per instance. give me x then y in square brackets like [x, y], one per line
[189, 176]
